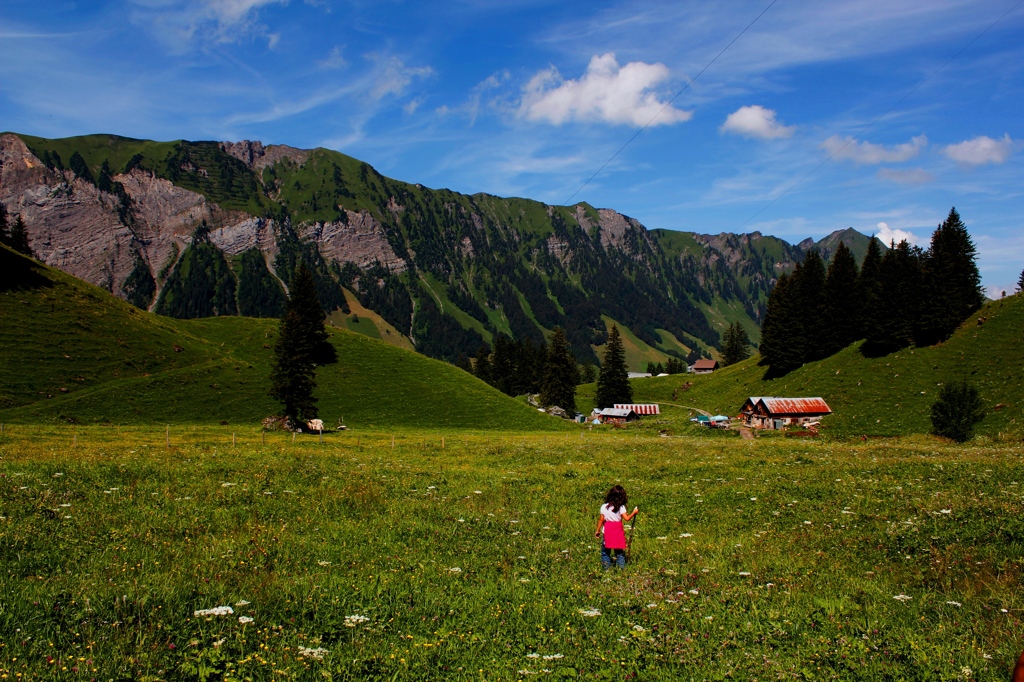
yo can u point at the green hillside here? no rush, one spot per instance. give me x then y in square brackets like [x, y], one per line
[72, 352]
[884, 396]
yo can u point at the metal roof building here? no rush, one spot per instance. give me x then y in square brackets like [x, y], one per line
[651, 408]
[772, 412]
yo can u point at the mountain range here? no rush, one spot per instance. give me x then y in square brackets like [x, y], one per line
[200, 229]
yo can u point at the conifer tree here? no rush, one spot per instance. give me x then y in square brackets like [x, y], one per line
[898, 310]
[613, 381]
[952, 280]
[587, 373]
[842, 302]
[560, 374]
[5, 237]
[736, 347]
[300, 345]
[869, 289]
[19, 238]
[482, 366]
[809, 281]
[781, 341]
[1020, 282]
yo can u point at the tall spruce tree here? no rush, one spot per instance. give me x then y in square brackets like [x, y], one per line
[560, 374]
[613, 381]
[482, 364]
[809, 281]
[1020, 282]
[736, 347]
[952, 280]
[781, 334]
[300, 342]
[19, 238]
[898, 310]
[842, 302]
[870, 290]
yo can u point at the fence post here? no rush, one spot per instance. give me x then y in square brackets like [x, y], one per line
[392, 441]
[321, 432]
[264, 437]
[232, 439]
[442, 442]
[293, 436]
[167, 437]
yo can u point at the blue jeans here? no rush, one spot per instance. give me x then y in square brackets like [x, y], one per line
[606, 557]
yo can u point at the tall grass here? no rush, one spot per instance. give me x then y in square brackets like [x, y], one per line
[358, 560]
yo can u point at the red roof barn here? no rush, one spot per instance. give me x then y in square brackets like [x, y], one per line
[775, 413]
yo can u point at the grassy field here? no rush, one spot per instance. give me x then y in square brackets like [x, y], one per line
[72, 353]
[359, 559]
[885, 396]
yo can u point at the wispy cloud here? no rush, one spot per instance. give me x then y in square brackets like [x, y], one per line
[908, 176]
[756, 121]
[333, 60]
[849, 149]
[179, 24]
[606, 93]
[980, 151]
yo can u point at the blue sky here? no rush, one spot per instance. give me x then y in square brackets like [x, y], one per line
[530, 98]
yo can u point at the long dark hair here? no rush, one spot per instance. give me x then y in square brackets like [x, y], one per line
[616, 498]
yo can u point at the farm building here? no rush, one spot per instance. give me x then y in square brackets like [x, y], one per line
[639, 409]
[775, 413]
[611, 415]
[704, 366]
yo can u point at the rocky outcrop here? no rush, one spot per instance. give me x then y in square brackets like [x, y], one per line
[253, 154]
[360, 239]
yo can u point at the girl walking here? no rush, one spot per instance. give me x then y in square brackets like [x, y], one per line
[609, 521]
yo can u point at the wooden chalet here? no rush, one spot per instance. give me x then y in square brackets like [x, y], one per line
[704, 366]
[776, 413]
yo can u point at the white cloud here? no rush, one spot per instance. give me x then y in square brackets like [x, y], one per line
[908, 176]
[756, 121]
[606, 93]
[869, 153]
[889, 235]
[980, 150]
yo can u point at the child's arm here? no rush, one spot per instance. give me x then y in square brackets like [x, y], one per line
[629, 516]
[600, 523]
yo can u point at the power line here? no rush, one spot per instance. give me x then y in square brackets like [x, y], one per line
[869, 126]
[669, 103]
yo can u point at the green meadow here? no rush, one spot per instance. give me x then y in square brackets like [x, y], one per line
[380, 556]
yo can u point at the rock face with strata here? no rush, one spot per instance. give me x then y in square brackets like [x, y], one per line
[255, 155]
[360, 240]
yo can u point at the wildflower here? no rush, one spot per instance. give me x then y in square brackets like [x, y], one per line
[744, 573]
[227, 485]
[478, 492]
[455, 569]
[709, 617]
[552, 657]
[590, 613]
[807, 523]
[966, 672]
[324, 563]
[241, 602]
[215, 611]
[753, 499]
[694, 591]
[317, 653]
[663, 537]
[244, 619]
[354, 620]
[220, 641]
[533, 655]
[686, 535]
[954, 603]
[639, 628]
[902, 597]
[945, 511]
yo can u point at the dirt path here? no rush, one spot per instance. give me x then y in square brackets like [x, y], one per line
[745, 434]
[689, 407]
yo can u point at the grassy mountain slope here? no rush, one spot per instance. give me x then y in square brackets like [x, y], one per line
[884, 396]
[121, 365]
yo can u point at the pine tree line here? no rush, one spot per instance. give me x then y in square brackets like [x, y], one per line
[735, 345]
[671, 366]
[518, 367]
[909, 296]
